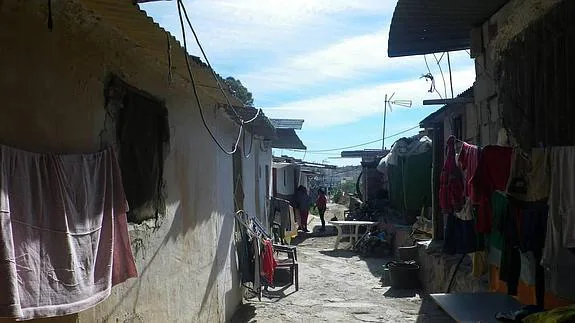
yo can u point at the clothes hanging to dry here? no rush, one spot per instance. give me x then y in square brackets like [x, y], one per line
[269, 263]
[451, 187]
[468, 161]
[560, 238]
[529, 175]
[492, 174]
[63, 232]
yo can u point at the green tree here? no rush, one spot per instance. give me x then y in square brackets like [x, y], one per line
[239, 91]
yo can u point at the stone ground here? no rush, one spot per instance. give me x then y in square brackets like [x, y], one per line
[338, 286]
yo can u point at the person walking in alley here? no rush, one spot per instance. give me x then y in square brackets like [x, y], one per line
[302, 203]
[321, 204]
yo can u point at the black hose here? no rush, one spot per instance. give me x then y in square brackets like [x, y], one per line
[453, 275]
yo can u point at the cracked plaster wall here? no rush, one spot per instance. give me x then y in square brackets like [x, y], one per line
[497, 33]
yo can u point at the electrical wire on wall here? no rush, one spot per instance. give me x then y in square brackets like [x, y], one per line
[183, 9]
[195, 89]
[429, 76]
[438, 61]
[249, 153]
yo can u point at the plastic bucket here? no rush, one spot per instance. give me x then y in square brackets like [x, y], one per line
[404, 275]
[408, 253]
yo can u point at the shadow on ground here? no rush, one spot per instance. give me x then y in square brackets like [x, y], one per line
[245, 313]
[374, 264]
[430, 312]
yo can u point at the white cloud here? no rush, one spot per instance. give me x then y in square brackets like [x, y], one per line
[277, 48]
[263, 28]
[350, 59]
[352, 105]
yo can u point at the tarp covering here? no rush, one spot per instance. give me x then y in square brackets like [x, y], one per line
[404, 147]
[408, 169]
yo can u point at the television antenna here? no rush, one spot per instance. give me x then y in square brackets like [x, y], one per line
[388, 103]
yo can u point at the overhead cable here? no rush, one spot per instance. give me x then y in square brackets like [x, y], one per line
[195, 89]
[183, 9]
[358, 145]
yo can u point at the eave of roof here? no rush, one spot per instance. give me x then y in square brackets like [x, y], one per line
[366, 153]
[287, 123]
[435, 116]
[287, 139]
[425, 27]
[260, 126]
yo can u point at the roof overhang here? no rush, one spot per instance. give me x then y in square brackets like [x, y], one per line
[437, 117]
[260, 125]
[287, 139]
[433, 26]
[287, 123]
[366, 153]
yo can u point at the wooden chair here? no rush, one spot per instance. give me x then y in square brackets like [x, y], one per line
[290, 262]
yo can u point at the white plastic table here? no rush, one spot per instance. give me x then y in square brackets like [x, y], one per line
[355, 230]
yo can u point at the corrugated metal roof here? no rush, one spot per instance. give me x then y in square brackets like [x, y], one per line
[287, 123]
[151, 40]
[432, 118]
[287, 139]
[424, 27]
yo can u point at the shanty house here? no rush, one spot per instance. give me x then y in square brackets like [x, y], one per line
[522, 93]
[75, 72]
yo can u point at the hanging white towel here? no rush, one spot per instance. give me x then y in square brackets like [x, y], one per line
[63, 232]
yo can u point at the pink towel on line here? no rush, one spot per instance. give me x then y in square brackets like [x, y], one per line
[63, 232]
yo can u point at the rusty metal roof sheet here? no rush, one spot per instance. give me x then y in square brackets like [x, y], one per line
[424, 27]
[154, 42]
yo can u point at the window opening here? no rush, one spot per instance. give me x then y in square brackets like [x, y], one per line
[142, 139]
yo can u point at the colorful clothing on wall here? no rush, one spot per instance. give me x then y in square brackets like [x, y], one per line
[468, 161]
[268, 262]
[451, 187]
[492, 174]
[529, 175]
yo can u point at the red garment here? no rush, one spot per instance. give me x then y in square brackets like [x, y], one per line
[491, 175]
[468, 160]
[269, 264]
[321, 201]
[451, 181]
[303, 216]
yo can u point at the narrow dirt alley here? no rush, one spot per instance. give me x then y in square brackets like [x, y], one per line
[337, 286]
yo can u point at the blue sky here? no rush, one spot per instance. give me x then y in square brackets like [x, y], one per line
[324, 61]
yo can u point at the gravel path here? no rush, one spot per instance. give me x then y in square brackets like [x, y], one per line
[337, 286]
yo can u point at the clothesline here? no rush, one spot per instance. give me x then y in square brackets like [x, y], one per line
[255, 222]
